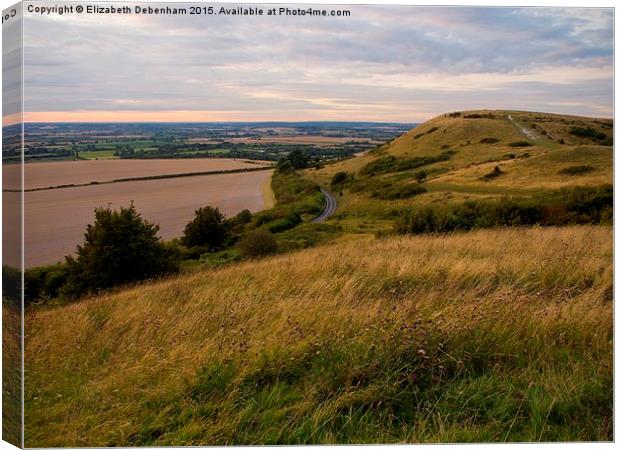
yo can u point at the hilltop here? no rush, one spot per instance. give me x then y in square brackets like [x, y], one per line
[483, 336]
[453, 157]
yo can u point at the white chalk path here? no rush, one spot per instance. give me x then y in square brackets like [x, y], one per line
[529, 133]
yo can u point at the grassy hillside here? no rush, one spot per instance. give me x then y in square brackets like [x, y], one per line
[497, 335]
[458, 153]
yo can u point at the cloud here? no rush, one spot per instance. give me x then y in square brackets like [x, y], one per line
[382, 63]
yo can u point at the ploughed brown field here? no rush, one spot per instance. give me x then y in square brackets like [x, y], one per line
[47, 174]
[55, 220]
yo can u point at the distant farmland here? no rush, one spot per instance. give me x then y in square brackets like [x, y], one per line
[292, 139]
[56, 219]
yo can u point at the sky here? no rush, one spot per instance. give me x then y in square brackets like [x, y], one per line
[384, 63]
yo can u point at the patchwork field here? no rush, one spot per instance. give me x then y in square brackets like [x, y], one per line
[48, 174]
[56, 219]
[290, 139]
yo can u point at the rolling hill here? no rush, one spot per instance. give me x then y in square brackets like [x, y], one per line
[533, 152]
[501, 334]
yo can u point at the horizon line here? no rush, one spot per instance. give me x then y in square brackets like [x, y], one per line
[212, 122]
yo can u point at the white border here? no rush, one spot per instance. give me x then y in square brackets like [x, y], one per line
[502, 3]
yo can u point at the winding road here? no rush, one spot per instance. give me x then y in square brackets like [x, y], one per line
[330, 207]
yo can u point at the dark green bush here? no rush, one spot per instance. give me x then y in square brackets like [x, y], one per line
[489, 140]
[588, 132]
[258, 243]
[207, 229]
[245, 216]
[285, 223]
[339, 177]
[44, 282]
[520, 144]
[11, 285]
[576, 170]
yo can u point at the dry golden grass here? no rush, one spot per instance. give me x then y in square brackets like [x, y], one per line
[466, 135]
[11, 371]
[489, 335]
[527, 170]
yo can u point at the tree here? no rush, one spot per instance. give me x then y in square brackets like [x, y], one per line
[245, 216]
[120, 247]
[298, 159]
[258, 243]
[284, 166]
[207, 229]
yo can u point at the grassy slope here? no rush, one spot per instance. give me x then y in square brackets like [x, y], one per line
[489, 335]
[459, 178]
[11, 373]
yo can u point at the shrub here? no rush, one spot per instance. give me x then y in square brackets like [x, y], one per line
[496, 172]
[120, 247]
[258, 243]
[339, 177]
[11, 285]
[207, 229]
[284, 166]
[284, 223]
[489, 140]
[520, 144]
[420, 176]
[45, 282]
[576, 170]
[245, 216]
[396, 191]
[581, 205]
[588, 132]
